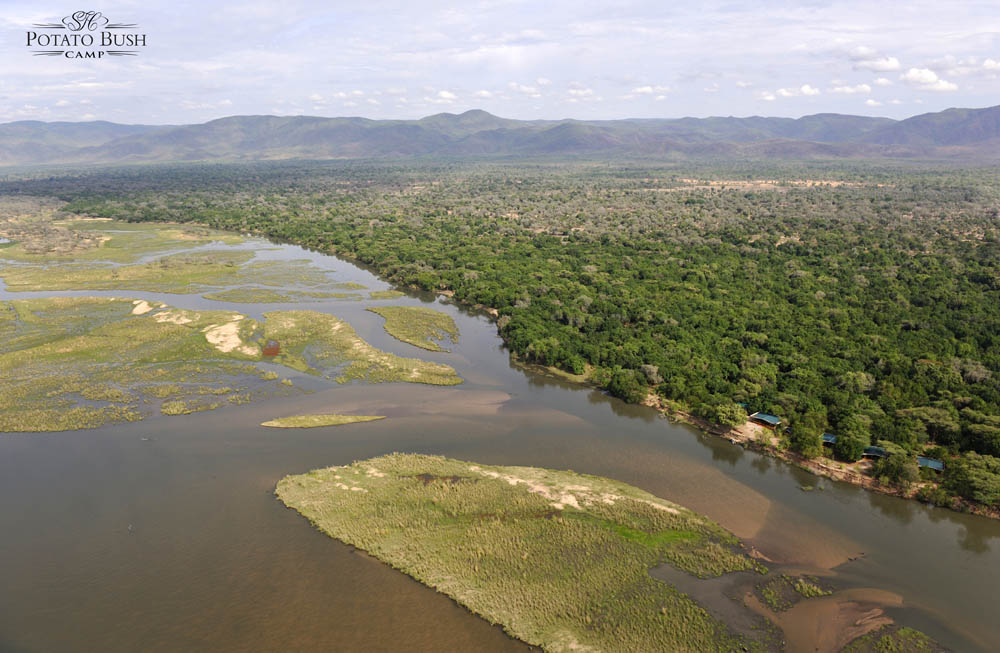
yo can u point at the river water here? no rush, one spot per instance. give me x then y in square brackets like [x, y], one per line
[165, 534]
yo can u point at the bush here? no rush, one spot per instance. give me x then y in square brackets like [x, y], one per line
[849, 448]
[898, 468]
[974, 477]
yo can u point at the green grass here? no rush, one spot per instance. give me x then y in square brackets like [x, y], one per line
[70, 363]
[186, 407]
[385, 294]
[782, 592]
[418, 326]
[809, 589]
[318, 343]
[41, 238]
[560, 560]
[177, 273]
[312, 421]
[184, 273]
[80, 254]
[248, 295]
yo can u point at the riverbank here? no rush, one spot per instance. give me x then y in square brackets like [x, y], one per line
[752, 436]
[762, 440]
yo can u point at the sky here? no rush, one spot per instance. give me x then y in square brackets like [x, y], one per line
[538, 59]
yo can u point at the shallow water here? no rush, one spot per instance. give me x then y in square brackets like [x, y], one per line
[165, 534]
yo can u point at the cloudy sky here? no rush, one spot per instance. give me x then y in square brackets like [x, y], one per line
[534, 59]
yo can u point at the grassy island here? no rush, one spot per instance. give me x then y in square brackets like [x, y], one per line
[250, 295]
[69, 363]
[418, 326]
[559, 559]
[312, 421]
[385, 294]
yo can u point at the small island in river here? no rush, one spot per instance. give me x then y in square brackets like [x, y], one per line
[417, 325]
[559, 559]
[313, 421]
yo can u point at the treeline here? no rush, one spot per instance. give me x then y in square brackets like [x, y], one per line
[861, 301]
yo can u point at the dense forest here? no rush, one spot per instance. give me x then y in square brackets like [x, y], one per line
[857, 299]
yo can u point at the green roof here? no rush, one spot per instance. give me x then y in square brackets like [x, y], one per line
[764, 417]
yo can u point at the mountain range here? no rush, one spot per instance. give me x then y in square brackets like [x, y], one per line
[954, 133]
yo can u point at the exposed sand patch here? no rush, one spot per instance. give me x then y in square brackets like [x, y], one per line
[141, 307]
[178, 316]
[829, 623]
[226, 338]
[570, 494]
[349, 488]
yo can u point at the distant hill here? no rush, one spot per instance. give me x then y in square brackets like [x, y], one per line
[951, 127]
[34, 141]
[951, 133]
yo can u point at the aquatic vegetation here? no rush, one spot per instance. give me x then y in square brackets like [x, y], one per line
[559, 559]
[385, 294]
[418, 325]
[191, 272]
[894, 639]
[42, 233]
[80, 362]
[314, 342]
[809, 589]
[312, 421]
[782, 592]
[249, 295]
[186, 407]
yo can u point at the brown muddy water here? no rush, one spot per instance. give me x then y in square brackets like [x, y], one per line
[165, 535]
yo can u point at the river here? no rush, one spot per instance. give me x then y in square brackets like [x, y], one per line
[165, 534]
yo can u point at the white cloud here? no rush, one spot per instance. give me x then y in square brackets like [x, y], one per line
[543, 81]
[530, 91]
[442, 97]
[926, 79]
[873, 103]
[852, 90]
[882, 81]
[743, 84]
[62, 103]
[714, 88]
[991, 64]
[767, 96]
[895, 101]
[650, 90]
[805, 89]
[580, 92]
[866, 58]
[881, 64]
[484, 94]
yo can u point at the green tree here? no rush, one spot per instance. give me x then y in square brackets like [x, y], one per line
[975, 477]
[899, 467]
